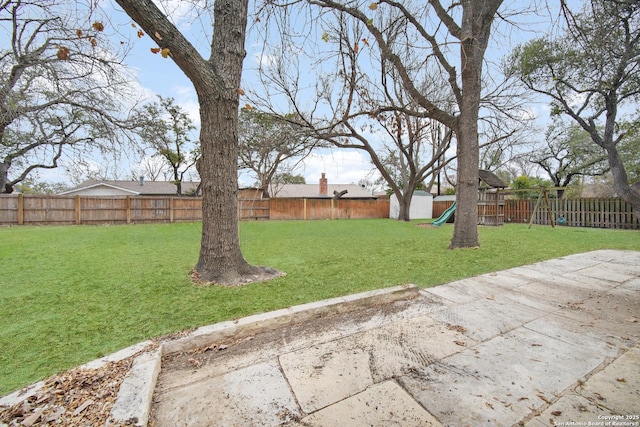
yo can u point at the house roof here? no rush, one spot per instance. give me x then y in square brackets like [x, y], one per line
[147, 188]
[311, 191]
[491, 179]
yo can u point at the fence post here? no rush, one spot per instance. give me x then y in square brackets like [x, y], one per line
[331, 213]
[20, 209]
[128, 203]
[78, 209]
[171, 209]
[304, 209]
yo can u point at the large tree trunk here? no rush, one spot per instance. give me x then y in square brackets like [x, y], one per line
[221, 260]
[4, 171]
[621, 181]
[404, 202]
[4, 167]
[220, 257]
[217, 82]
[477, 16]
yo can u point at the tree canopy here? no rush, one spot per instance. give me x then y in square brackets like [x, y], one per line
[591, 74]
[415, 49]
[569, 153]
[62, 88]
[270, 146]
[167, 128]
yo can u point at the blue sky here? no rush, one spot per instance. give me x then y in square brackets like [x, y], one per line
[157, 75]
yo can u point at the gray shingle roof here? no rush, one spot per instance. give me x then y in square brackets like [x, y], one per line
[491, 179]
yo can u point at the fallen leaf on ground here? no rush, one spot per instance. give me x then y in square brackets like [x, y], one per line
[82, 407]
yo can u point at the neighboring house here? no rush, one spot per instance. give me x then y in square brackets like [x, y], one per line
[130, 188]
[323, 190]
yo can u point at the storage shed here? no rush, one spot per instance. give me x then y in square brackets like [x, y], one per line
[421, 206]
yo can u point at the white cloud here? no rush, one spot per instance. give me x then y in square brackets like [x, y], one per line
[340, 166]
[265, 60]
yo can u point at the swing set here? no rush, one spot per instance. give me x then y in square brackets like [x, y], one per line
[543, 202]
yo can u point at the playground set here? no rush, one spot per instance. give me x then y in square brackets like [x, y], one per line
[490, 201]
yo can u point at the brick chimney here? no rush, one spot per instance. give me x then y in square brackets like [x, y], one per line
[324, 186]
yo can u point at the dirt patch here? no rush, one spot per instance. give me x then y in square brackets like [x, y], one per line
[258, 274]
[211, 353]
[425, 225]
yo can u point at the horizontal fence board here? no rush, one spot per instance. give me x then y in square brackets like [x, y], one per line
[102, 210]
[49, 210]
[187, 209]
[253, 209]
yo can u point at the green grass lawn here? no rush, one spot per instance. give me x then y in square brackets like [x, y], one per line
[72, 294]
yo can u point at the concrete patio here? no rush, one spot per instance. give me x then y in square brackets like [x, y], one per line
[549, 344]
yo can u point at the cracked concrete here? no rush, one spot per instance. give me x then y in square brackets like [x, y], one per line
[556, 342]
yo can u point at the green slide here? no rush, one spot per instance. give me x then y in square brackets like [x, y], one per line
[445, 215]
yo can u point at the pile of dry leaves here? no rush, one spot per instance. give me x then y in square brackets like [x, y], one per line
[78, 397]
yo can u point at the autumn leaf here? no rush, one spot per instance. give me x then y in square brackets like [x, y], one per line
[195, 362]
[355, 47]
[155, 50]
[98, 26]
[133, 25]
[165, 52]
[365, 42]
[369, 22]
[140, 34]
[373, 6]
[93, 42]
[240, 91]
[248, 107]
[63, 53]
[79, 33]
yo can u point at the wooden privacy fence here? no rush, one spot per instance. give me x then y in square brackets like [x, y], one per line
[61, 210]
[439, 206]
[583, 212]
[578, 212]
[328, 208]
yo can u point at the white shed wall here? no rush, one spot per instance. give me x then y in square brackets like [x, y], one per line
[421, 206]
